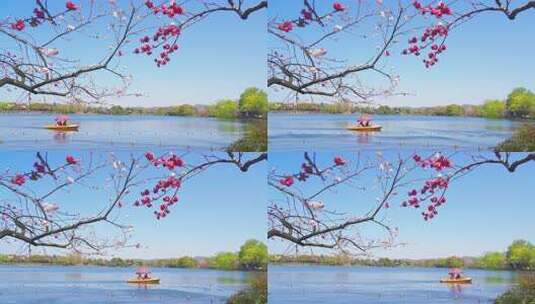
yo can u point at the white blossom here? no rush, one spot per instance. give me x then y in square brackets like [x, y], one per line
[50, 207]
[316, 205]
[49, 52]
[319, 52]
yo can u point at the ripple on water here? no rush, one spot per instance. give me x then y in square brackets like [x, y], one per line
[290, 132]
[25, 132]
[298, 284]
[88, 284]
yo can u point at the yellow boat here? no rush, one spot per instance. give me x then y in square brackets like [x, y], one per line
[71, 127]
[364, 129]
[144, 281]
[457, 281]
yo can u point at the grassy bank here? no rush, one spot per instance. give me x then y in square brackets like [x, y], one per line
[523, 293]
[522, 140]
[256, 293]
[255, 138]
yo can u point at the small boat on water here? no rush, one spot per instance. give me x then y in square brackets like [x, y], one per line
[357, 127]
[69, 127]
[456, 277]
[143, 277]
[364, 124]
[144, 281]
[62, 124]
[457, 281]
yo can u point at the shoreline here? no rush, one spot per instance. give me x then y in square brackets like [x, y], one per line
[521, 120]
[38, 113]
[396, 266]
[128, 266]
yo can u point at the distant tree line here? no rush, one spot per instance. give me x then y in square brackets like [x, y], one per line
[520, 103]
[336, 260]
[252, 256]
[520, 255]
[251, 104]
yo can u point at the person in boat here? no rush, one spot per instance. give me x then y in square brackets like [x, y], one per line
[61, 120]
[455, 273]
[143, 273]
[364, 120]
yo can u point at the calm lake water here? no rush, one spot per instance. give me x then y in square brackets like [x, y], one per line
[298, 131]
[338, 284]
[88, 284]
[25, 132]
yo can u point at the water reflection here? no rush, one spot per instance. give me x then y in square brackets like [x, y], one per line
[60, 137]
[25, 131]
[456, 290]
[291, 131]
[228, 280]
[71, 284]
[229, 126]
[363, 138]
[298, 284]
[496, 280]
[73, 275]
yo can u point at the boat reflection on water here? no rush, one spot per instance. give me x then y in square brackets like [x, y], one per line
[456, 290]
[60, 137]
[363, 138]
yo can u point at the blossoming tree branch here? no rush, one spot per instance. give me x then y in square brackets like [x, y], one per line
[300, 213]
[302, 54]
[36, 207]
[35, 60]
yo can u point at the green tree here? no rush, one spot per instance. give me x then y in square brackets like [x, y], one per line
[117, 262]
[521, 103]
[492, 260]
[4, 259]
[226, 261]
[225, 109]
[40, 107]
[186, 262]
[520, 254]
[385, 110]
[453, 110]
[452, 262]
[275, 106]
[5, 106]
[117, 110]
[182, 110]
[253, 255]
[253, 102]
[493, 109]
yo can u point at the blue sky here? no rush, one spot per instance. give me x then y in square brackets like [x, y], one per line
[486, 58]
[218, 209]
[222, 55]
[219, 57]
[486, 210]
